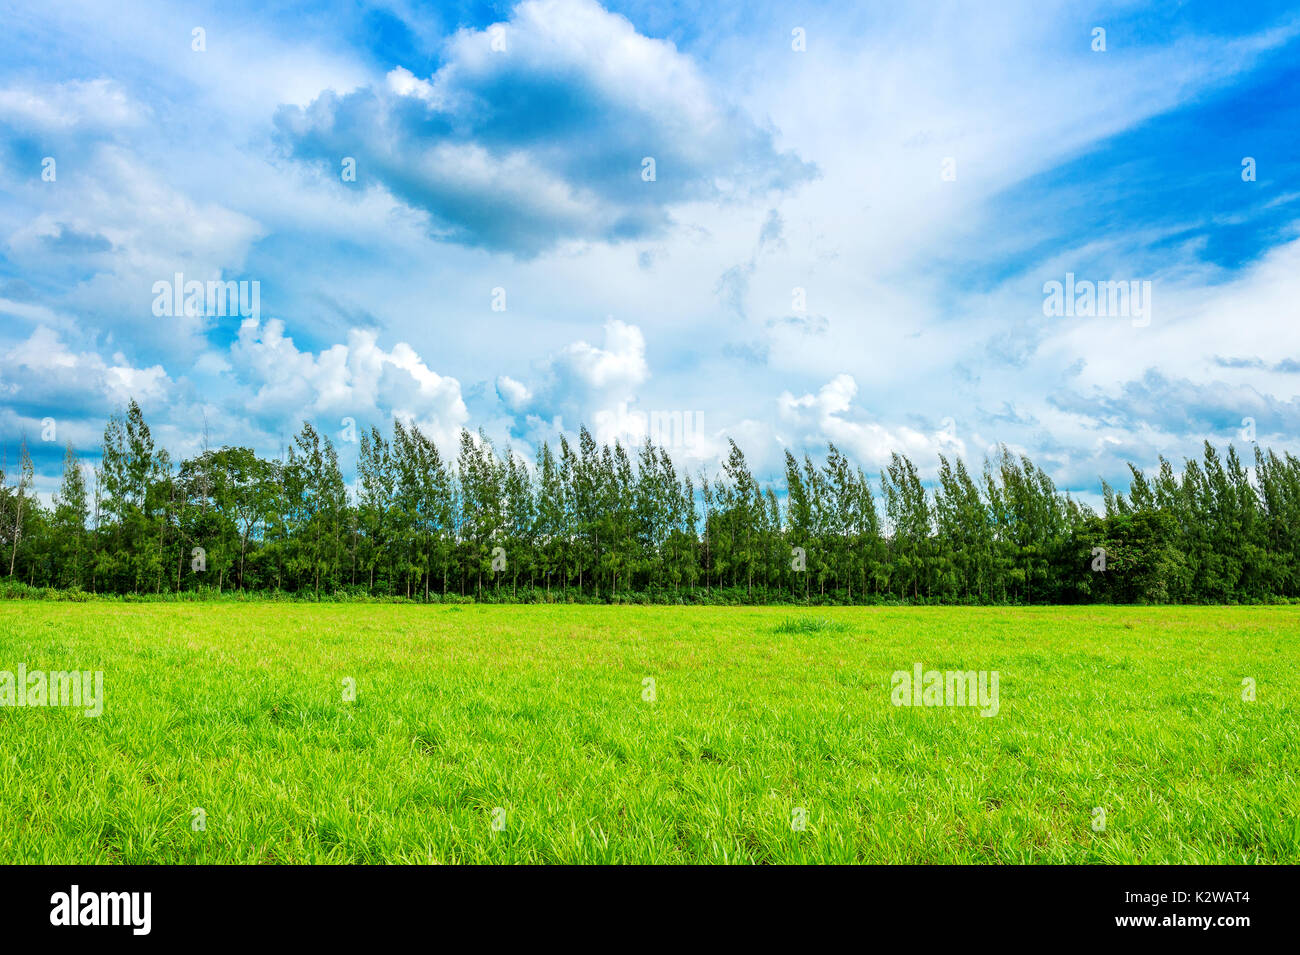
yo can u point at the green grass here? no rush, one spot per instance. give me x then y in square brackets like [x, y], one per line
[811, 625]
[238, 709]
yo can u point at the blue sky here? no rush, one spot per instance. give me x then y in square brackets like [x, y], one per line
[847, 242]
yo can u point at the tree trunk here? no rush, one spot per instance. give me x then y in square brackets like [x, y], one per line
[18, 530]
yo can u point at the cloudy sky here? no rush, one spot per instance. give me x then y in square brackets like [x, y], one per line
[795, 223]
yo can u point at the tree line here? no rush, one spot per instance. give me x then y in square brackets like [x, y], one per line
[595, 522]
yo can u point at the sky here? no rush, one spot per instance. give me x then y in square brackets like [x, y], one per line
[788, 224]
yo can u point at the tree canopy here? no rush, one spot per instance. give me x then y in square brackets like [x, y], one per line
[611, 523]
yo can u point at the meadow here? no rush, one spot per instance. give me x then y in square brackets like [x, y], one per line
[597, 734]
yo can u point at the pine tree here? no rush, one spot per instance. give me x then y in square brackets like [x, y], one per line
[70, 516]
[26, 474]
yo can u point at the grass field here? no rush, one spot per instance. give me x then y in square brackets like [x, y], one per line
[533, 718]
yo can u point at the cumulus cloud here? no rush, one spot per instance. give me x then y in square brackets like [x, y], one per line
[358, 379]
[534, 131]
[515, 394]
[619, 364]
[583, 380]
[601, 386]
[829, 416]
[45, 375]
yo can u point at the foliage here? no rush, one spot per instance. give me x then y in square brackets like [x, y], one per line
[597, 523]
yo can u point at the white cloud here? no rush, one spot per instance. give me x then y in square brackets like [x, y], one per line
[582, 381]
[42, 369]
[358, 379]
[99, 104]
[151, 231]
[829, 416]
[515, 394]
[619, 364]
[890, 344]
[544, 142]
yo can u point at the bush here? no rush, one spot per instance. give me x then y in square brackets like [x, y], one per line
[808, 625]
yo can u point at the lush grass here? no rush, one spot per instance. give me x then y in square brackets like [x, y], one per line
[538, 710]
[808, 625]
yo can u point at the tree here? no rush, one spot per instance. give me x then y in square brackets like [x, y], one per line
[376, 481]
[70, 516]
[909, 518]
[610, 523]
[25, 476]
